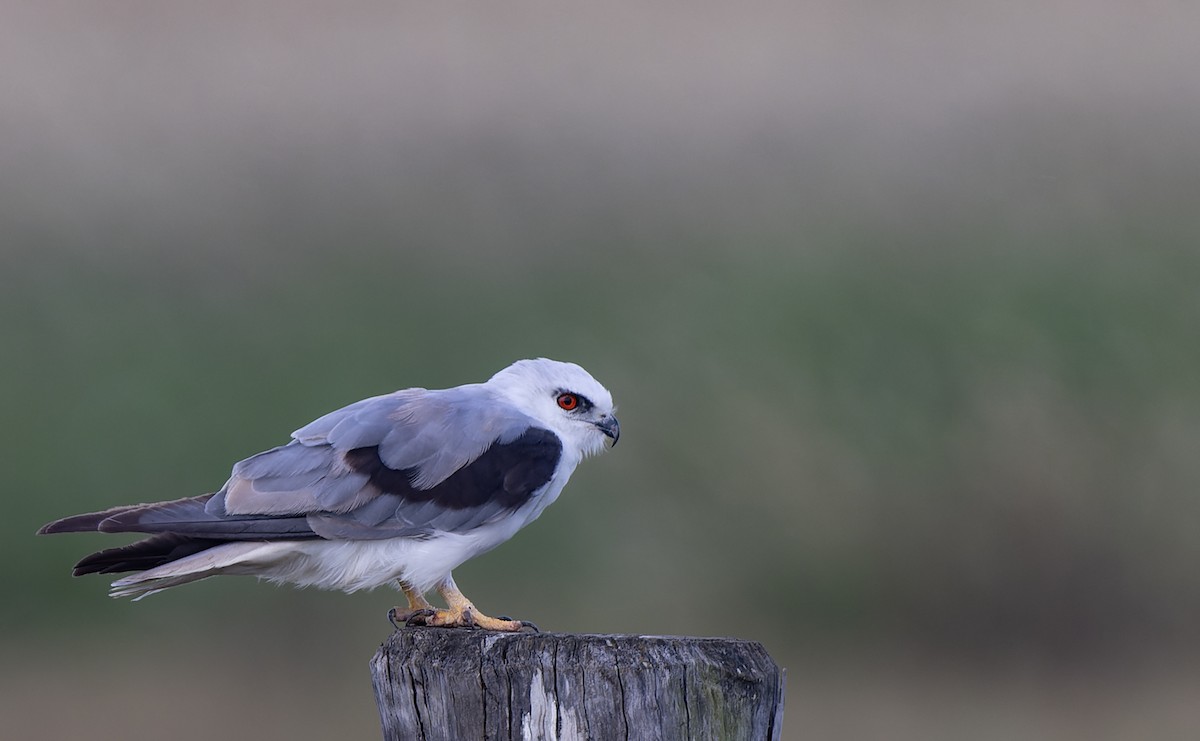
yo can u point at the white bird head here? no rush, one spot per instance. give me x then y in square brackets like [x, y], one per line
[563, 397]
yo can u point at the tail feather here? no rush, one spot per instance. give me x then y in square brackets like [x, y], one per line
[186, 542]
[218, 558]
[145, 589]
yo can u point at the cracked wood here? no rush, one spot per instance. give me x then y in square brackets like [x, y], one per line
[433, 684]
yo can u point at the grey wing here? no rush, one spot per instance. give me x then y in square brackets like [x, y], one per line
[401, 464]
[406, 464]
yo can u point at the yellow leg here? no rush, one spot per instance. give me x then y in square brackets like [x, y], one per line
[416, 600]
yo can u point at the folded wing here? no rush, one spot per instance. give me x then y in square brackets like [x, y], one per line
[406, 464]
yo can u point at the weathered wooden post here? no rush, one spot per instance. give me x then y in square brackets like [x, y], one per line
[461, 685]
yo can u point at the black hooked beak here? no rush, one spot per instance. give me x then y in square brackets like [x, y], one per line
[611, 427]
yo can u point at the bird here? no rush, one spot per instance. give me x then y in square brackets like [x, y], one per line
[395, 489]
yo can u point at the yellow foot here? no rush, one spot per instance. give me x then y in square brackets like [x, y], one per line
[459, 612]
[417, 605]
[467, 617]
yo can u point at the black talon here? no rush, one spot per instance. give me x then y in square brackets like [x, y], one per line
[394, 616]
[417, 617]
[524, 623]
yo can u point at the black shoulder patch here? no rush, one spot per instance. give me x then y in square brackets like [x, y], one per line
[505, 474]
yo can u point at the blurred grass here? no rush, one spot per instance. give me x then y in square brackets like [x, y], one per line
[960, 453]
[877, 433]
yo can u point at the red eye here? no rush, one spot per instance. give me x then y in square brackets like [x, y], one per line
[568, 401]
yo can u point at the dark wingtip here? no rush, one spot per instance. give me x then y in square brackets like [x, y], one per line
[73, 524]
[89, 522]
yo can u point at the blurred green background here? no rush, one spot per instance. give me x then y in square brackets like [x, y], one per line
[899, 303]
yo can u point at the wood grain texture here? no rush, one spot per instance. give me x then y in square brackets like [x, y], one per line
[433, 684]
